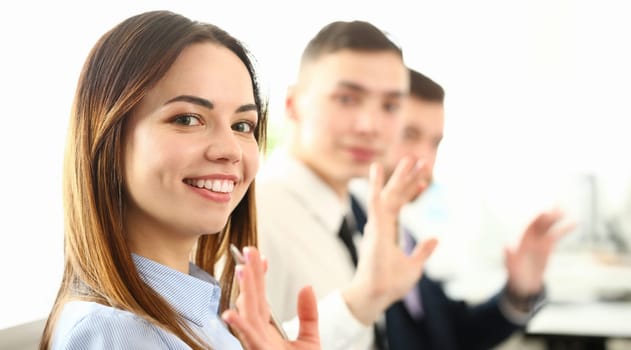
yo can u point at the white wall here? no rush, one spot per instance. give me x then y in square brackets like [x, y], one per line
[536, 91]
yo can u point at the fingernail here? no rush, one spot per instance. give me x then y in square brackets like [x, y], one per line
[239, 271]
[246, 253]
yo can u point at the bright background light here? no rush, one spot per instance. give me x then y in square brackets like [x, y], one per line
[537, 92]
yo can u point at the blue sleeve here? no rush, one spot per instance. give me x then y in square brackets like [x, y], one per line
[112, 332]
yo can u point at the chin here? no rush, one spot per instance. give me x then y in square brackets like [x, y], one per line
[212, 228]
[361, 169]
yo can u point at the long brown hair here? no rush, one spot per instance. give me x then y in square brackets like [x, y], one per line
[124, 64]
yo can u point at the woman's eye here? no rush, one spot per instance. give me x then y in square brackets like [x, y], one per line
[244, 127]
[187, 119]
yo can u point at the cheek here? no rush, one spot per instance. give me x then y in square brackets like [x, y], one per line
[401, 147]
[390, 128]
[396, 153]
[428, 156]
[429, 153]
[162, 154]
[320, 129]
[430, 162]
[159, 157]
[135, 156]
[251, 158]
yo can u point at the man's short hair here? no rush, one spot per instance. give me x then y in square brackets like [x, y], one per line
[424, 88]
[355, 35]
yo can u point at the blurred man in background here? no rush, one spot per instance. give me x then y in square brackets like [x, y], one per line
[426, 318]
[343, 111]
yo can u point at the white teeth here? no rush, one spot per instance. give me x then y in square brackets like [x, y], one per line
[223, 186]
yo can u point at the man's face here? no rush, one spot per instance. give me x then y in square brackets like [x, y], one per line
[346, 109]
[420, 134]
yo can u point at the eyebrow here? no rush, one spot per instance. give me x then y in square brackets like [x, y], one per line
[208, 104]
[246, 108]
[361, 89]
[192, 99]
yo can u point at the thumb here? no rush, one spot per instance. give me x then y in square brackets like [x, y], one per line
[375, 182]
[308, 316]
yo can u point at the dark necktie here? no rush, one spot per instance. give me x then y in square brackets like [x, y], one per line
[346, 235]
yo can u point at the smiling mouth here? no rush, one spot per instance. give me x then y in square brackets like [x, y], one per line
[219, 186]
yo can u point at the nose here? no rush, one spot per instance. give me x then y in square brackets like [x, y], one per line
[367, 120]
[224, 146]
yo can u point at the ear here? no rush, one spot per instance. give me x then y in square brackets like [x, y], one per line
[290, 103]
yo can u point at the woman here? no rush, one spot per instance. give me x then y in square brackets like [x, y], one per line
[162, 151]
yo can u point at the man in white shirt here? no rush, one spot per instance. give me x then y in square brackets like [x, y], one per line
[343, 113]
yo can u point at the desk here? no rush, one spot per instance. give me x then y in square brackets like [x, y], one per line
[582, 325]
[589, 302]
[597, 319]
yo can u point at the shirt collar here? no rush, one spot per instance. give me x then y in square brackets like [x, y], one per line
[194, 296]
[309, 189]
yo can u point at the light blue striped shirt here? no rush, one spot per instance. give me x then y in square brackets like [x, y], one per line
[89, 325]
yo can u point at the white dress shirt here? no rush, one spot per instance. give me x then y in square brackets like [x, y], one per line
[299, 218]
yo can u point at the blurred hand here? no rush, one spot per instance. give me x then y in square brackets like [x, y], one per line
[251, 318]
[527, 262]
[384, 272]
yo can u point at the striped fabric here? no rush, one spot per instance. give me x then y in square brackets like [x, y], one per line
[88, 325]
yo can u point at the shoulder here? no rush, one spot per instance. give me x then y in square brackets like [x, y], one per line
[89, 325]
[275, 197]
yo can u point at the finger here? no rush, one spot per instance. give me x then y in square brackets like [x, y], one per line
[424, 172]
[559, 232]
[401, 174]
[308, 315]
[243, 330]
[247, 302]
[416, 181]
[375, 185]
[422, 185]
[405, 183]
[253, 259]
[547, 219]
[509, 258]
[265, 263]
[424, 250]
[540, 225]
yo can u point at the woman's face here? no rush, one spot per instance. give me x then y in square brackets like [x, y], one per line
[190, 151]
